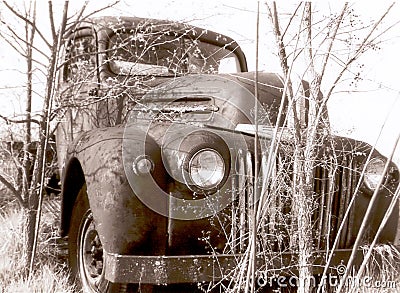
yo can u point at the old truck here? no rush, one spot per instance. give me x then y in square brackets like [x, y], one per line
[157, 150]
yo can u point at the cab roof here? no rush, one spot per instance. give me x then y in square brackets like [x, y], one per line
[108, 24]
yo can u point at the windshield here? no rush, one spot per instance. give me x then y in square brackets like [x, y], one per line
[167, 54]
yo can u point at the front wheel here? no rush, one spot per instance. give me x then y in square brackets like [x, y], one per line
[86, 251]
[86, 257]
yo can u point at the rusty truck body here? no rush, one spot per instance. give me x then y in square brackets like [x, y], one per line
[157, 150]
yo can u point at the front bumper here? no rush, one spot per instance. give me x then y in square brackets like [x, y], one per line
[160, 270]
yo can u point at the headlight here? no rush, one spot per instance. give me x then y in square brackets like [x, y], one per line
[374, 172]
[206, 169]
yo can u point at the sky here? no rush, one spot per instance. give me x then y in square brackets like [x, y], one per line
[370, 108]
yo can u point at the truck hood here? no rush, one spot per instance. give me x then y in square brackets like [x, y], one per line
[270, 88]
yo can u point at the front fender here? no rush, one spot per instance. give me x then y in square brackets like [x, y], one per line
[125, 225]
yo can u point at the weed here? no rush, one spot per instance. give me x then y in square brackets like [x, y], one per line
[50, 274]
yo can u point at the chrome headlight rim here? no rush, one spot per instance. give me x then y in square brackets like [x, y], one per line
[220, 169]
[373, 173]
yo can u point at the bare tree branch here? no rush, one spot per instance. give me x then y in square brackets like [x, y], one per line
[51, 17]
[14, 191]
[19, 121]
[273, 15]
[291, 19]
[361, 48]
[11, 40]
[80, 17]
[25, 19]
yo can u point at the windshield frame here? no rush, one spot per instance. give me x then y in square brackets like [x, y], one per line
[239, 59]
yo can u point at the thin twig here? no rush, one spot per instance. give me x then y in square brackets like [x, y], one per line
[27, 20]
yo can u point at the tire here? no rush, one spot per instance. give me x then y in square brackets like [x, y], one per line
[86, 265]
[85, 251]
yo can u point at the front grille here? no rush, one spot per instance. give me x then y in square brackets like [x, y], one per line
[334, 187]
[335, 180]
[242, 202]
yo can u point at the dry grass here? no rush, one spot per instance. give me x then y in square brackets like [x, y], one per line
[50, 274]
[382, 274]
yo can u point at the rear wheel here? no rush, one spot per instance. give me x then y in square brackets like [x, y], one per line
[86, 251]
